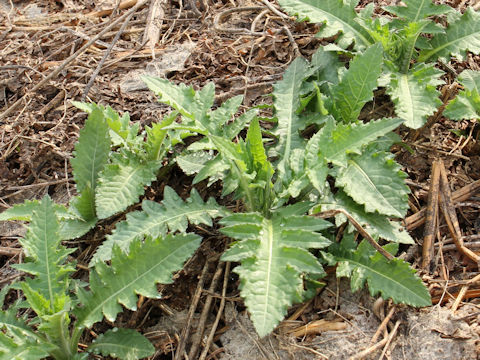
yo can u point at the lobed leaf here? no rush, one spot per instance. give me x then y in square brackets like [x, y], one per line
[356, 86]
[391, 279]
[466, 105]
[273, 254]
[416, 10]
[339, 16]
[415, 94]
[126, 344]
[287, 101]
[91, 151]
[156, 219]
[335, 142]
[375, 180]
[460, 36]
[377, 225]
[45, 255]
[122, 182]
[154, 260]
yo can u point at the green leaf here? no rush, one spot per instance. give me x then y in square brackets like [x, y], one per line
[225, 112]
[392, 279]
[24, 211]
[191, 104]
[377, 225]
[415, 94]
[357, 84]
[336, 141]
[339, 16]
[24, 350]
[154, 260]
[466, 105]
[416, 10]
[155, 144]
[122, 183]
[274, 255]
[459, 36]
[91, 151]
[156, 219]
[46, 256]
[375, 180]
[180, 97]
[75, 228]
[286, 99]
[17, 328]
[126, 344]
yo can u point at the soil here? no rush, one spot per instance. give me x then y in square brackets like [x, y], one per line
[39, 127]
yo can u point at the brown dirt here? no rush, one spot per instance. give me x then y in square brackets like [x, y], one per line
[37, 139]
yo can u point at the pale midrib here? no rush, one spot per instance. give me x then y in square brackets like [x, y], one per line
[129, 284]
[269, 271]
[372, 184]
[371, 269]
[343, 22]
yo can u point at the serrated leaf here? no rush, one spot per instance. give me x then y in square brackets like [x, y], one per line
[156, 219]
[46, 255]
[17, 328]
[155, 144]
[122, 183]
[273, 258]
[24, 211]
[287, 101]
[154, 260]
[224, 113]
[22, 350]
[91, 151]
[192, 162]
[339, 16]
[335, 142]
[75, 228]
[126, 344]
[466, 105]
[459, 36]
[415, 10]
[375, 180]
[356, 86]
[392, 279]
[378, 226]
[415, 94]
[180, 97]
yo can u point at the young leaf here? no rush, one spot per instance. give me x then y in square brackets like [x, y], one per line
[375, 180]
[392, 279]
[25, 349]
[156, 219]
[45, 253]
[357, 84]
[339, 16]
[459, 36]
[336, 141]
[378, 226]
[415, 94]
[91, 151]
[274, 254]
[24, 211]
[154, 260]
[466, 105]
[75, 228]
[286, 99]
[126, 344]
[180, 97]
[122, 182]
[155, 146]
[416, 10]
